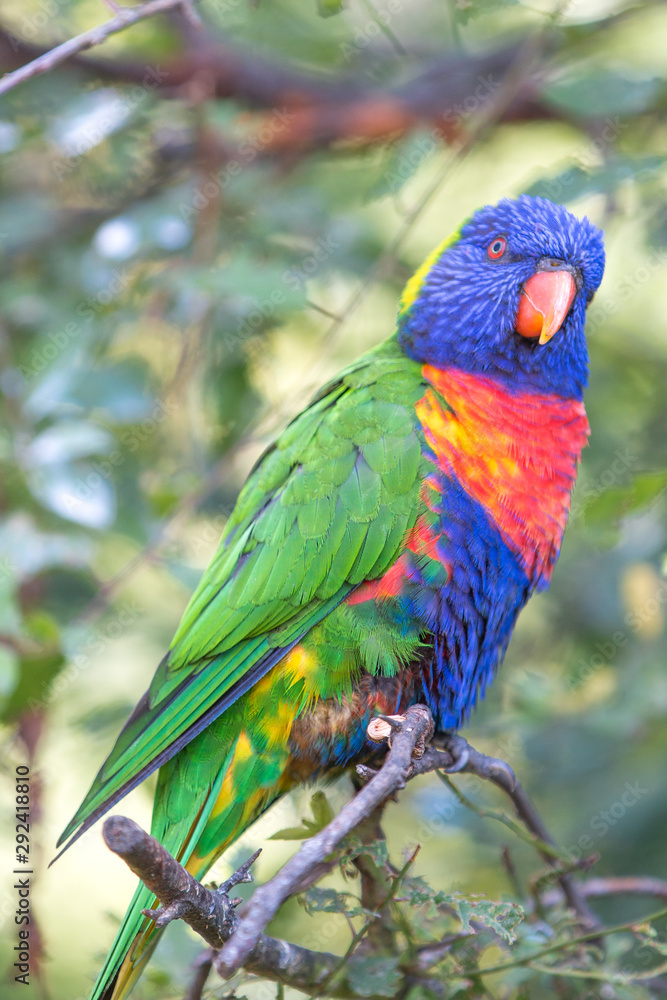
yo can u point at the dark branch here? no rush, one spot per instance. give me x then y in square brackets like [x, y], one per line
[50, 58]
[268, 899]
[210, 912]
[316, 108]
[615, 885]
[240, 943]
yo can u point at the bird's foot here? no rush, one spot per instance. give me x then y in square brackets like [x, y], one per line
[458, 749]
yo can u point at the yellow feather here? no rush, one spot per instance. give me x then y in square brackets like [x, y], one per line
[414, 285]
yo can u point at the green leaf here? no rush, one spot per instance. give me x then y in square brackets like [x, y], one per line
[501, 918]
[322, 811]
[578, 181]
[330, 901]
[468, 10]
[322, 816]
[617, 502]
[417, 890]
[603, 92]
[374, 975]
[292, 833]
[377, 850]
[328, 8]
[404, 160]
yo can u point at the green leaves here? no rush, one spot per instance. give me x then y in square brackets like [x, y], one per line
[579, 181]
[374, 975]
[330, 901]
[597, 93]
[322, 816]
[609, 506]
[501, 918]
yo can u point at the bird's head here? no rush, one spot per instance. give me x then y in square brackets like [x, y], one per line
[506, 296]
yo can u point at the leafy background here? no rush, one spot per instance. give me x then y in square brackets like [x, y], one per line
[161, 316]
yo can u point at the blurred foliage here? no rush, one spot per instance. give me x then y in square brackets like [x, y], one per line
[160, 319]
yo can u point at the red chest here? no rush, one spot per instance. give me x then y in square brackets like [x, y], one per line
[516, 454]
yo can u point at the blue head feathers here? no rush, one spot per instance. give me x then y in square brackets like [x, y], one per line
[461, 308]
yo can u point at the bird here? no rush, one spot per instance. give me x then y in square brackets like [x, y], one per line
[380, 551]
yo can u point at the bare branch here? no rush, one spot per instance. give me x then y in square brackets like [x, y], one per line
[267, 900]
[615, 885]
[471, 761]
[125, 17]
[212, 914]
[209, 911]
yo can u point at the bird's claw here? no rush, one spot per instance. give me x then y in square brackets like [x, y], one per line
[501, 767]
[457, 747]
[459, 762]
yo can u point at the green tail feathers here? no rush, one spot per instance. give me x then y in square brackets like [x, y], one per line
[239, 785]
[135, 942]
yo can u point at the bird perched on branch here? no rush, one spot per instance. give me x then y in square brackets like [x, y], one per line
[380, 551]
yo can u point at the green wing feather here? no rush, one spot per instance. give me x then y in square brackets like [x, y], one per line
[326, 507]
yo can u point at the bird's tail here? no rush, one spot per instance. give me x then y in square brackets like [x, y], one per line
[134, 945]
[244, 786]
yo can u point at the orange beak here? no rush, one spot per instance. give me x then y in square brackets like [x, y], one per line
[544, 304]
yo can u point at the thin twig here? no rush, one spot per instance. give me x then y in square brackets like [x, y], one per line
[502, 775]
[201, 971]
[591, 936]
[615, 885]
[125, 17]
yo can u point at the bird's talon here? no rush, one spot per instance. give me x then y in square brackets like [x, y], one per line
[460, 762]
[501, 767]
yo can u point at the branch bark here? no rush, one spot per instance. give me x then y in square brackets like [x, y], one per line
[316, 109]
[267, 900]
[210, 912]
[86, 40]
[241, 942]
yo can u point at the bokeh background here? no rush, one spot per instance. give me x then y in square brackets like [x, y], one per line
[187, 250]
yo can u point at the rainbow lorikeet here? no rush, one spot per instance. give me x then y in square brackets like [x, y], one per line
[380, 551]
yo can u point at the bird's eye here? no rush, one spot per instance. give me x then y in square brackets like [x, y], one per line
[497, 248]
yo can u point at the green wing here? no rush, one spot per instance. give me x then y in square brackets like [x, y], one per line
[327, 507]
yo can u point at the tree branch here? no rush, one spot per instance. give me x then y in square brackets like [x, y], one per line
[242, 943]
[316, 109]
[267, 900]
[210, 912]
[125, 17]
[615, 885]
